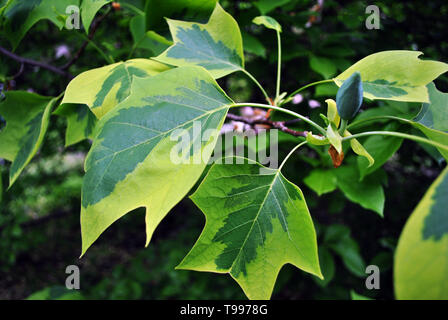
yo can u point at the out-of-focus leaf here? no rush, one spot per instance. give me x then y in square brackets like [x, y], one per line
[20, 16]
[80, 122]
[253, 45]
[368, 193]
[149, 40]
[356, 296]
[321, 181]
[27, 116]
[421, 258]
[381, 149]
[266, 6]
[89, 8]
[327, 266]
[188, 10]
[323, 66]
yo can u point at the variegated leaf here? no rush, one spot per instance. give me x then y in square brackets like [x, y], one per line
[395, 75]
[216, 45]
[103, 88]
[20, 16]
[421, 258]
[27, 116]
[256, 221]
[80, 122]
[134, 158]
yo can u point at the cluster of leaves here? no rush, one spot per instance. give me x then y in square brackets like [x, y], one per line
[257, 220]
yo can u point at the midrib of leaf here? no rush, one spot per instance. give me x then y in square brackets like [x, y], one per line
[255, 220]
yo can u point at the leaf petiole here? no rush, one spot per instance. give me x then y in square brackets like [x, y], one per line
[279, 64]
[257, 83]
[290, 96]
[396, 134]
[292, 113]
[290, 154]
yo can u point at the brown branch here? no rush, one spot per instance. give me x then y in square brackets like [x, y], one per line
[43, 65]
[280, 125]
[93, 29]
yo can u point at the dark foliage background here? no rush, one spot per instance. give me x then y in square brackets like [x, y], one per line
[39, 215]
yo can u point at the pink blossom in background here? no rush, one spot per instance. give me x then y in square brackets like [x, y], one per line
[313, 104]
[298, 98]
[62, 51]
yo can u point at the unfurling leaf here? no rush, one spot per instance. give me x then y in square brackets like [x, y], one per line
[359, 149]
[316, 140]
[135, 161]
[349, 97]
[332, 112]
[423, 247]
[255, 223]
[395, 75]
[217, 45]
[334, 137]
[268, 22]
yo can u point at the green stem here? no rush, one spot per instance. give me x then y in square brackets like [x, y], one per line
[343, 126]
[357, 123]
[292, 113]
[396, 134]
[132, 8]
[290, 154]
[279, 65]
[307, 86]
[257, 83]
[109, 60]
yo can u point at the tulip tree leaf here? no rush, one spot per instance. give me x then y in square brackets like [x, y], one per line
[268, 22]
[187, 10]
[216, 45]
[89, 8]
[421, 258]
[20, 16]
[321, 181]
[103, 88]
[80, 122]
[381, 149]
[395, 75]
[368, 193]
[266, 6]
[148, 40]
[27, 116]
[256, 221]
[433, 118]
[133, 161]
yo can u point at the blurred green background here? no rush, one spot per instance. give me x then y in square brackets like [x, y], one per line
[39, 215]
